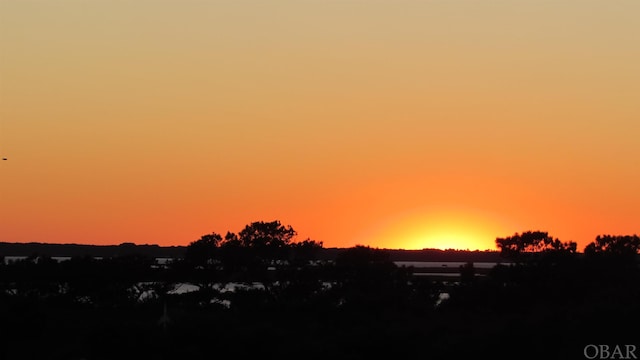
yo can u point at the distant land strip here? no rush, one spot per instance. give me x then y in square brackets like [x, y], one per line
[177, 252]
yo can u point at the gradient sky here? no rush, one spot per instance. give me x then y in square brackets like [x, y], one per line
[389, 123]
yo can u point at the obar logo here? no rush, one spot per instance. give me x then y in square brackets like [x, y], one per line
[592, 351]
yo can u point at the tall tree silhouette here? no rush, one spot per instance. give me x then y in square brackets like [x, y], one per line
[269, 240]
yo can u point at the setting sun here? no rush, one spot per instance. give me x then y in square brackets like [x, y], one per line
[440, 229]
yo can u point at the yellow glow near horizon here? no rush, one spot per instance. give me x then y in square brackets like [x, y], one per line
[439, 229]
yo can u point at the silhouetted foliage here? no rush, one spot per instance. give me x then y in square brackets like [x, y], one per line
[269, 240]
[361, 256]
[233, 255]
[619, 246]
[531, 244]
[305, 251]
[203, 251]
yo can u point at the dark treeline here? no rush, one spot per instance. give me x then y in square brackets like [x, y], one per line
[178, 252]
[260, 292]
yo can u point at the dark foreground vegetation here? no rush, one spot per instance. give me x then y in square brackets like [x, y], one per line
[258, 293]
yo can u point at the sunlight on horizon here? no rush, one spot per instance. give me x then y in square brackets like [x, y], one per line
[439, 229]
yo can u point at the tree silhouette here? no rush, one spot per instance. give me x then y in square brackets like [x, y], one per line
[360, 256]
[521, 247]
[269, 240]
[305, 251]
[202, 252]
[233, 255]
[618, 250]
[627, 245]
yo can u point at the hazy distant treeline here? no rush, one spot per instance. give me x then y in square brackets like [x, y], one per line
[74, 250]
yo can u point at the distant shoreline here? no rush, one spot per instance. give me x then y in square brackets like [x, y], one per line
[157, 251]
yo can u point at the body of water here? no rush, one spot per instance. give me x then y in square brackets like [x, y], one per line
[10, 259]
[448, 264]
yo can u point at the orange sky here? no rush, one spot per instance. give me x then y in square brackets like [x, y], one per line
[400, 124]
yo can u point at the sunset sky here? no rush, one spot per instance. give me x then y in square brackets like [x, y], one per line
[389, 123]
